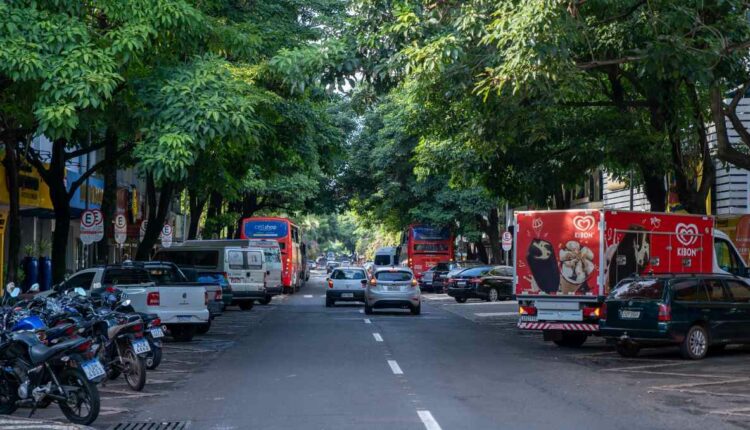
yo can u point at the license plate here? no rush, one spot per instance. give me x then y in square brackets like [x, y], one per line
[461, 283]
[347, 295]
[184, 317]
[394, 288]
[93, 369]
[156, 332]
[141, 346]
[630, 315]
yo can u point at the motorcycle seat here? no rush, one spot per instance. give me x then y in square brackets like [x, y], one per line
[40, 352]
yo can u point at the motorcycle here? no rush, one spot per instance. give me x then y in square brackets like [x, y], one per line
[34, 374]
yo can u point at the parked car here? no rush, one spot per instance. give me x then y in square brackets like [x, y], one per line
[182, 308]
[484, 282]
[166, 273]
[243, 267]
[346, 284]
[699, 313]
[443, 270]
[394, 287]
[425, 282]
[272, 255]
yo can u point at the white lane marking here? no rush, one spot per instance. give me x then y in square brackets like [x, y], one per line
[495, 314]
[308, 296]
[361, 311]
[378, 337]
[428, 420]
[367, 321]
[395, 367]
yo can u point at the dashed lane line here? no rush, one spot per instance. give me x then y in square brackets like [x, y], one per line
[378, 337]
[395, 368]
[428, 420]
[367, 321]
[308, 296]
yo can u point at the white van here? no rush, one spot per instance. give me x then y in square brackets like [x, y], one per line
[385, 256]
[244, 267]
[272, 256]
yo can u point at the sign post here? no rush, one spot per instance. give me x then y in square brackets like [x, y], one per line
[92, 226]
[166, 235]
[507, 244]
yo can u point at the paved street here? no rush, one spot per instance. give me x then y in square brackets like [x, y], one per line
[297, 365]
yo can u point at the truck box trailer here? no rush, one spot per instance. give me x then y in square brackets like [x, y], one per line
[566, 262]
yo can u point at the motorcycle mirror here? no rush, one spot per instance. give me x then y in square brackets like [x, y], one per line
[15, 292]
[9, 288]
[34, 288]
[80, 291]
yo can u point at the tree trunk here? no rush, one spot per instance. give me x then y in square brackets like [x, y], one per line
[14, 217]
[197, 203]
[157, 213]
[493, 233]
[653, 187]
[725, 151]
[55, 179]
[109, 198]
[215, 202]
[481, 252]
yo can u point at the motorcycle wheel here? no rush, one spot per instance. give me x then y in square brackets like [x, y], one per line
[135, 370]
[82, 397]
[8, 396]
[153, 360]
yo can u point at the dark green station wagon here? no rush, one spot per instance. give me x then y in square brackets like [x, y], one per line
[696, 312]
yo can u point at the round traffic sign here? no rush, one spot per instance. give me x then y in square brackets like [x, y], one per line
[166, 231]
[507, 241]
[121, 222]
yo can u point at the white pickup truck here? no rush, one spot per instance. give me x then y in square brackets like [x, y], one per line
[182, 308]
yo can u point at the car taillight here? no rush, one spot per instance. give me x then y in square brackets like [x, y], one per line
[592, 312]
[527, 310]
[156, 322]
[665, 313]
[330, 283]
[414, 282]
[153, 299]
[218, 296]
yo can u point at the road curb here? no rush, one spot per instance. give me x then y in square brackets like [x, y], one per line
[29, 423]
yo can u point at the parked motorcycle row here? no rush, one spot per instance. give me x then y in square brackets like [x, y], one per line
[57, 348]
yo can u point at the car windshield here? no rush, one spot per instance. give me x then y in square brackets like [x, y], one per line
[652, 289]
[348, 274]
[476, 271]
[394, 276]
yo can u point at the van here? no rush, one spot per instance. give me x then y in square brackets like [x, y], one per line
[272, 256]
[385, 256]
[243, 266]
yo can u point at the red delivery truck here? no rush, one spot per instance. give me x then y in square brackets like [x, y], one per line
[566, 262]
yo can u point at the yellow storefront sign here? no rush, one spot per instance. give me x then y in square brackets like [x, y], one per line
[33, 192]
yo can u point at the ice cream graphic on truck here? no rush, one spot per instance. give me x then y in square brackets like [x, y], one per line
[566, 262]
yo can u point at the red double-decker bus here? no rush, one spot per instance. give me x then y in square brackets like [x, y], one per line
[289, 237]
[423, 246]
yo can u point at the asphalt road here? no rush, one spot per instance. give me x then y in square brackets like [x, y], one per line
[296, 364]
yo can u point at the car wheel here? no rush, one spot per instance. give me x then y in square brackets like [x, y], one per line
[329, 303]
[695, 344]
[368, 309]
[493, 295]
[460, 299]
[265, 300]
[183, 334]
[246, 305]
[628, 350]
[416, 310]
[204, 328]
[572, 340]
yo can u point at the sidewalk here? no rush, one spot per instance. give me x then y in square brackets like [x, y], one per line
[17, 423]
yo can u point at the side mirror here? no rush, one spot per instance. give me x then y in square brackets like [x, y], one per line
[364, 282]
[80, 291]
[34, 288]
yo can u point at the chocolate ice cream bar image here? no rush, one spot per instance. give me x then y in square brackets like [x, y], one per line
[543, 265]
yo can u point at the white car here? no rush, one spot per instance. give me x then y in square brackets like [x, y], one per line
[346, 284]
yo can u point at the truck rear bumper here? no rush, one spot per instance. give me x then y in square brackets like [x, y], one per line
[565, 326]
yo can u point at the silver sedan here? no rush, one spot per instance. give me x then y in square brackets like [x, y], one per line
[393, 287]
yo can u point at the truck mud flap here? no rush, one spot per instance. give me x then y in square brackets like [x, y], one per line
[591, 328]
